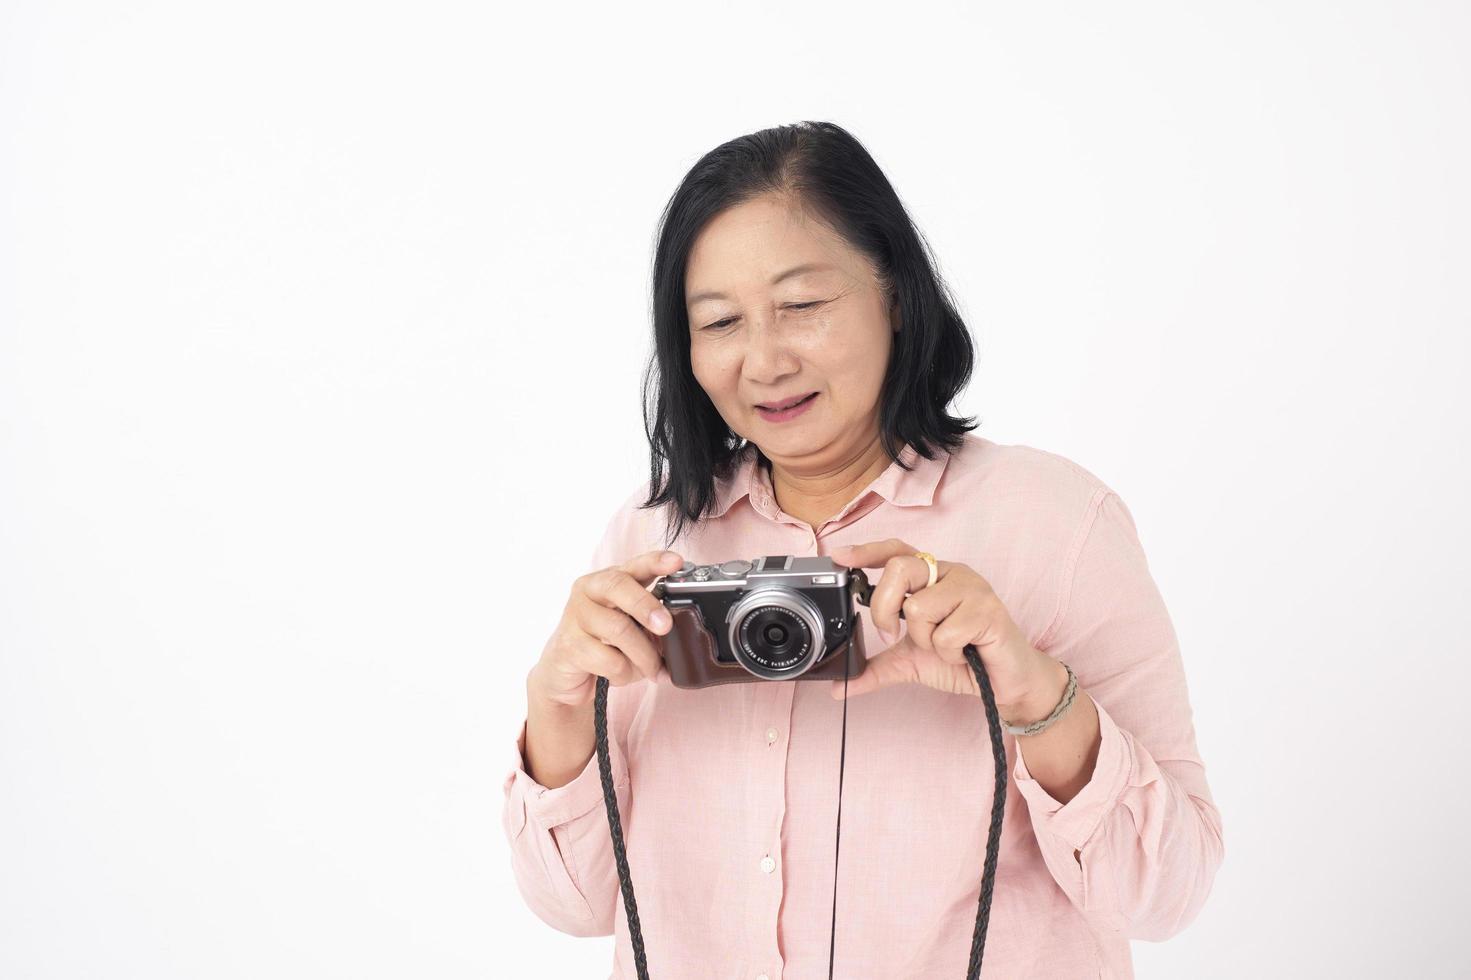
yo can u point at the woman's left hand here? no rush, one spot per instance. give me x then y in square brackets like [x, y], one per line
[960, 608]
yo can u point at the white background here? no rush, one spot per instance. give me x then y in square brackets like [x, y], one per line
[315, 318]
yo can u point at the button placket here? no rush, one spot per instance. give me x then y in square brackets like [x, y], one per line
[780, 702]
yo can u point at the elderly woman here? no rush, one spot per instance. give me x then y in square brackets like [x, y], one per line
[806, 357]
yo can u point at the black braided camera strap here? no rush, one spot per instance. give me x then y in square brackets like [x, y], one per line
[993, 838]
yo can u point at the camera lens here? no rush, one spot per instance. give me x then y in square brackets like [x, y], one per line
[774, 638]
[776, 633]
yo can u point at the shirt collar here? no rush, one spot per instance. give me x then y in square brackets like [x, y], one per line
[905, 488]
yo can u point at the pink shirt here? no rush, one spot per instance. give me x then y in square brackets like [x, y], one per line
[728, 794]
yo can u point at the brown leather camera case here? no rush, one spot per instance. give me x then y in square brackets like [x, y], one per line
[689, 653]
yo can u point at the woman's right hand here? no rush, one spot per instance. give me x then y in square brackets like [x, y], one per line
[606, 631]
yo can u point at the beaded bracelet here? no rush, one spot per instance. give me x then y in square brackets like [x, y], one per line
[1057, 712]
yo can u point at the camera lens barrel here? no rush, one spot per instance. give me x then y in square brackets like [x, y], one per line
[776, 633]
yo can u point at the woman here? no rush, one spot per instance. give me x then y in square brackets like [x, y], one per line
[788, 271]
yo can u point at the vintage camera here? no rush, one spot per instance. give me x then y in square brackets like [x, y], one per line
[776, 618]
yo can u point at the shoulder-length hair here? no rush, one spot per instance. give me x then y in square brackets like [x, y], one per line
[828, 173]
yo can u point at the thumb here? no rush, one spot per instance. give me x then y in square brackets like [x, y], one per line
[651, 564]
[883, 669]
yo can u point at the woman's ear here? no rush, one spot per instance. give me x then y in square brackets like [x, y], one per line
[895, 320]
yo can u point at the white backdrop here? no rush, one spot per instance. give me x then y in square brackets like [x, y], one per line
[313, 317]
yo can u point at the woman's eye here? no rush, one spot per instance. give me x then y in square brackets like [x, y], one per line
[731, 319]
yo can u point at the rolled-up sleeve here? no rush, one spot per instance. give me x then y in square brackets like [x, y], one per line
[560, 840]
[561, 845]
[1136, 850]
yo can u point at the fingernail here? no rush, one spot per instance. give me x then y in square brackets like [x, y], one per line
[660, 618]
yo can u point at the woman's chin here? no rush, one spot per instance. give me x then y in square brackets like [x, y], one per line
[793, 443]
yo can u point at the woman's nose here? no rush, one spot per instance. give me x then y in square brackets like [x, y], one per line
[767, 357]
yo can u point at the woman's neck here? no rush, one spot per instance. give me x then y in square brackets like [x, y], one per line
[813, 491]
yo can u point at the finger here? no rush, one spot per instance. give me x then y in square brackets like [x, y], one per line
[590, 654]
[960, 627]
[882, 670]
[650, 565]
[929, 608]
[902, 574]
[619, 588]
[872, 554]
[618, 630]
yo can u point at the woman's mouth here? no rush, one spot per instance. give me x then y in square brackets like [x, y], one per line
[782, 415]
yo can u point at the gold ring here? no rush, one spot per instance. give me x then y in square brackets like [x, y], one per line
[929, 560]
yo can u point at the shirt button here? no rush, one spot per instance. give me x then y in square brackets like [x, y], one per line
[768, 864]
[771, 734]
[763, 977]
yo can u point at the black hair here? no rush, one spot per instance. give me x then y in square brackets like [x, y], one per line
[828, 173]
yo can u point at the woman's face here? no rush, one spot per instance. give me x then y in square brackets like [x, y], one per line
[760, 335]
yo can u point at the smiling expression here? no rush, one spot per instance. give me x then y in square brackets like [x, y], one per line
[779, 306]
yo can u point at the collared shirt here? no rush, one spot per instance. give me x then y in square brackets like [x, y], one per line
[728, 795]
